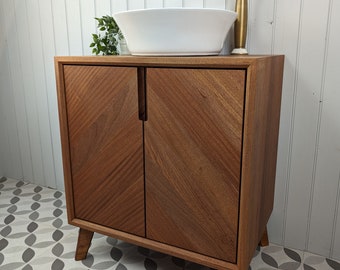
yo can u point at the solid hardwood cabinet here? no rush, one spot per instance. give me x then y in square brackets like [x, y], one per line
[105, 143]
[177, 154]
[193, 158]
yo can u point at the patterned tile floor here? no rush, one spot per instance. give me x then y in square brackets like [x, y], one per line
[34, 234]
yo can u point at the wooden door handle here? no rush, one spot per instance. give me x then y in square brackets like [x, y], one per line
[141, 86]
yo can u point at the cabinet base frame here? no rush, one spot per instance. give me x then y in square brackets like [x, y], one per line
[87, 229]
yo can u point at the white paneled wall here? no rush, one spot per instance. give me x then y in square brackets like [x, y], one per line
[308, 97]
[306, 213]
[326, 181]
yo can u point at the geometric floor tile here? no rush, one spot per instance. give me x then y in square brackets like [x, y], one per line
[35, 235]
[314, 262]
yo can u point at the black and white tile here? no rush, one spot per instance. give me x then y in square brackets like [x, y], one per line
[34, 234]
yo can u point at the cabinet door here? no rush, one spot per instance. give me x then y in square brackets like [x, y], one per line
[105, 137]
[193, 140]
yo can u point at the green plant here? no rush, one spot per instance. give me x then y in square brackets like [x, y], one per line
[107, 39]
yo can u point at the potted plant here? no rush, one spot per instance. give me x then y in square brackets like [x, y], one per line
[106, 42]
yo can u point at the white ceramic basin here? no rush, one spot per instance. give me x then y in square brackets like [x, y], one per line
[175, 31]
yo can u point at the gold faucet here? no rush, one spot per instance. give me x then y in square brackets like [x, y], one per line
[240, 28]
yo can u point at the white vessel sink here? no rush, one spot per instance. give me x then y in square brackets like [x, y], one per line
[175, 31]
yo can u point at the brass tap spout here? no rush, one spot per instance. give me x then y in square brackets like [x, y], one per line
[240, 28]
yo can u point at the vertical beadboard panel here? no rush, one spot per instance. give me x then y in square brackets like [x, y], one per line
[153, 4]
[261, 22]
[230, 4]
[136, 5]
[60, 27]
[39, 93]
[15, 71]
[49, 51]
[172, 3]
[308, 86]
[118, 6]
[103, 7]
[88, 24]
[3, 150]
[30, 95]
[193, 3]
[335, 248]
[10, 163]
[74, 27]
[325, 202]
[220, 4]
[286, 29]
[3, 123]
[4, 91]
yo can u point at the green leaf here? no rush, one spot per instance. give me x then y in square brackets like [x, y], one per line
[107, 40]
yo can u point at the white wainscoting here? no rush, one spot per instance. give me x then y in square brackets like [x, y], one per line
[306, 214]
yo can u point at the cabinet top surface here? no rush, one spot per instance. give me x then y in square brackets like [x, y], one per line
[199, 61]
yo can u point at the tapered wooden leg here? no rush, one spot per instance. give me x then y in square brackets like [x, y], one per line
[83, 245]
[264, 240]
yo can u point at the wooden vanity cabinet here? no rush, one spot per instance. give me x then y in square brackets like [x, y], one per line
[176, 154]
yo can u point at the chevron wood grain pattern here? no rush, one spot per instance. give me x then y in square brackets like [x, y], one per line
[105, 140]
[193, 158]
[208, 139]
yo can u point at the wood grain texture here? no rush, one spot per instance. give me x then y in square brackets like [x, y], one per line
[174, 61]
[105, 141]
[83, 244]
[193, 157]
[264, 240]
[210, 150]
[261, 124]
[154, 245]
[278, 27]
